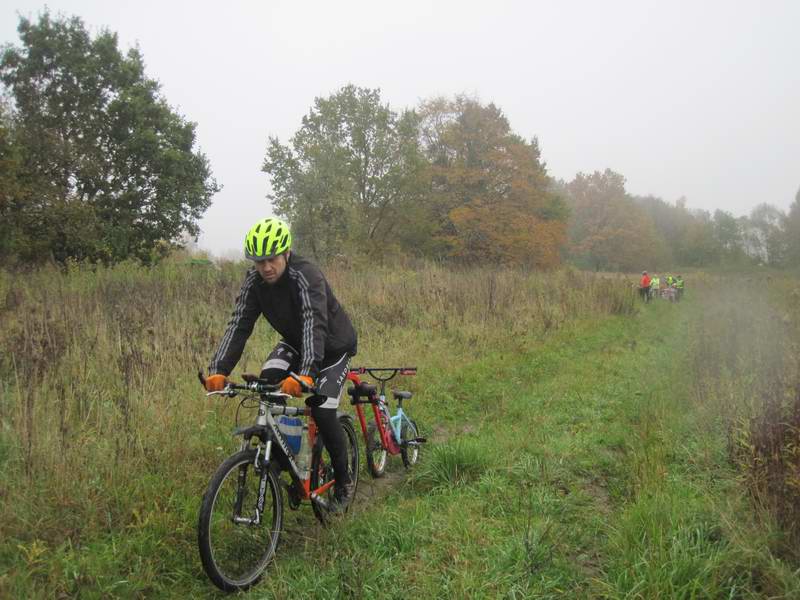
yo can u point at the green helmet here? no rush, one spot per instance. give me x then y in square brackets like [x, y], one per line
[267, 238]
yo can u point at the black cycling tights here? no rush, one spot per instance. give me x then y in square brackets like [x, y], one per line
[333, 437]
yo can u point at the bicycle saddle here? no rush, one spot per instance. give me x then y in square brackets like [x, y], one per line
[401, 395]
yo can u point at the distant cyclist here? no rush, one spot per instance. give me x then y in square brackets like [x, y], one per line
[318, 337]
[679, 286]
[655, 285]
[644, 286]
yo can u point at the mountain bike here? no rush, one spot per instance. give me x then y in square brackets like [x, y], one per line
[241, 515]
[388, 434]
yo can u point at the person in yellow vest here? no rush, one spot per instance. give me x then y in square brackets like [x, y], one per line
[679, 286]
[655, 286]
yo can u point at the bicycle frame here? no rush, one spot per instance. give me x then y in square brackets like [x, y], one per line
[378, 400]
[266, 429]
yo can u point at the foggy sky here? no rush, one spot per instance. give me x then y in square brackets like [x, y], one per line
[695, 99]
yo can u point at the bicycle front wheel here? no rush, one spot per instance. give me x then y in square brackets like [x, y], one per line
[236, 540]
[322, 469]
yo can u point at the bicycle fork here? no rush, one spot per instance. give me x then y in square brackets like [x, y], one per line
[260, 463]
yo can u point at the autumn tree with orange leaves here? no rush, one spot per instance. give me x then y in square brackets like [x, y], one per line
[490, 191]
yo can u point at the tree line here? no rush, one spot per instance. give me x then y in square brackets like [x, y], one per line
[450, 179]
[95, 165]
[611, 229]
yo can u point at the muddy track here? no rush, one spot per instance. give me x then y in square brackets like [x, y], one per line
[301, 527]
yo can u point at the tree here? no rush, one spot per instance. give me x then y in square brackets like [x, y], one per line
[764, 235]
[729, 239]
[608, 230]
[15, 194]
[349, 174]
[792, 233]
[491, 197]
[727, 231]
[701, 247]
[109, 168]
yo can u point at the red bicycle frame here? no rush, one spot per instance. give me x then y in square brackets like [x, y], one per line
[387, 440]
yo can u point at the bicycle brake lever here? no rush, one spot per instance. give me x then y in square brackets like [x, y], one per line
[225, 392]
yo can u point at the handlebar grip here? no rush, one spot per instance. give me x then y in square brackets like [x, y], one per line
[303, 385]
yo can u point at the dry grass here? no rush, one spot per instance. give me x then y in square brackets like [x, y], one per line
[100, 408]
[746, 360]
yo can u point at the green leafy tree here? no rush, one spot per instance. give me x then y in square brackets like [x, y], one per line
[110, 169]
[729, 236]
[350, 176]
[700, 248]
[727, 231]
[764, 235]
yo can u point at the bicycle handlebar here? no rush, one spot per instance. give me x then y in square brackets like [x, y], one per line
[258, 386]
[392, 370]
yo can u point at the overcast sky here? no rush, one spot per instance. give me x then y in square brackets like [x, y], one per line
[698, 99]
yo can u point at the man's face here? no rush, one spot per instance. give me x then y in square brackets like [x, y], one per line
[271, 269]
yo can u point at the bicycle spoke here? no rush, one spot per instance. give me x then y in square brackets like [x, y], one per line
[237, 543]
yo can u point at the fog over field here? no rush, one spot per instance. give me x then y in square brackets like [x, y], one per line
[684, 99]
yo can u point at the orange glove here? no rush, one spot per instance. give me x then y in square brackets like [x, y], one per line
[215, 383]
[291, 387]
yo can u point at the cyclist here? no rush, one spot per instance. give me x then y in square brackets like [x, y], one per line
[679, 286]
[655, 285]
[318, 337]
[644, 286]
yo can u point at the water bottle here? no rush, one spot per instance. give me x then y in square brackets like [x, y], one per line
[303, 456]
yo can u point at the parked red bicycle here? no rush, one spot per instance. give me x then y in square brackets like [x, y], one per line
[388, 434]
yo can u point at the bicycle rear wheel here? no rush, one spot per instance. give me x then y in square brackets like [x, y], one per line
[236, 542]
[409, 447]
[322, 469]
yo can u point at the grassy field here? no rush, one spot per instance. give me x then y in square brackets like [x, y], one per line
[581, 445]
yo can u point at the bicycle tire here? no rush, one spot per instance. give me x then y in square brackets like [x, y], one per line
[374, 448]
[228, 564]
[322, 470]
[409, 431]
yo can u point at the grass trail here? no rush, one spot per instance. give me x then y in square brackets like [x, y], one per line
[579, 466]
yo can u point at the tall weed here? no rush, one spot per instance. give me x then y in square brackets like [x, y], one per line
[100, 409]
[746, 363]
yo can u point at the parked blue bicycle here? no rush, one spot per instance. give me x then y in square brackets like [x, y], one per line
[388, 434]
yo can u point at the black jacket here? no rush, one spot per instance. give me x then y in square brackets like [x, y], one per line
[300, 306]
